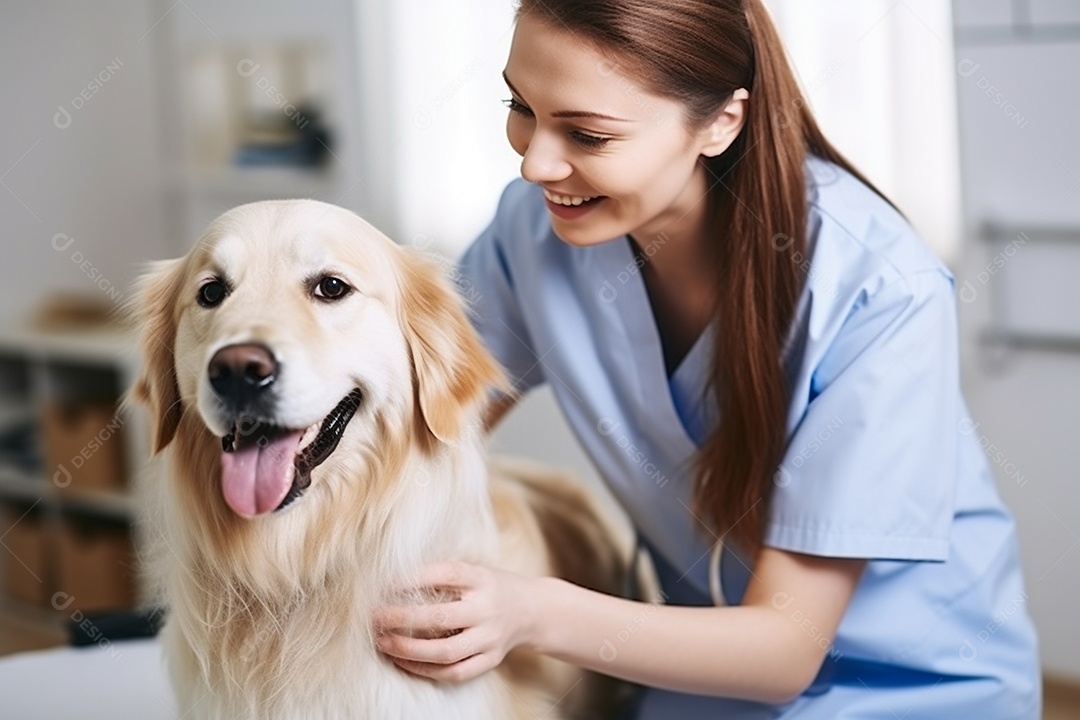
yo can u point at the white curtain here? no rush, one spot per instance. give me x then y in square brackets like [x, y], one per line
[449, 150]
[878, 74]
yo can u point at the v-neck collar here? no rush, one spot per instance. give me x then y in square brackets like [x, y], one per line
[638, 324]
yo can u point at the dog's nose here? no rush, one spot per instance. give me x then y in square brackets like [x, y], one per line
[239, 373]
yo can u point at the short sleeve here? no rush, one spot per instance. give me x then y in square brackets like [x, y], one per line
[486, 281]
[871, 468]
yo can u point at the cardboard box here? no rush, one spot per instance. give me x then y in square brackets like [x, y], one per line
[84, 445]
[95, 564]
[25, 562]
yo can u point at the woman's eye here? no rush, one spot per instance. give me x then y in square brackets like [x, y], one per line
[516, 107]
[331, 288]
[592, 142]
[584, 139]
[212, 293]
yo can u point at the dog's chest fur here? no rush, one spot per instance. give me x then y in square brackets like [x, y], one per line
[292, 666]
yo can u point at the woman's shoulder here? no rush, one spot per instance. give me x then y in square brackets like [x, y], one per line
[856, 232]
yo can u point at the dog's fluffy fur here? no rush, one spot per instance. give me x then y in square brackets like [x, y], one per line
[269, 616]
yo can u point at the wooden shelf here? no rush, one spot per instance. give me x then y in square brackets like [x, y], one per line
[21, 486]
[116, 503]
[111, 345]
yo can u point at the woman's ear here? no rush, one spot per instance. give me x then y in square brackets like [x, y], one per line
[717, 136]
[154, 309]
[452, 371]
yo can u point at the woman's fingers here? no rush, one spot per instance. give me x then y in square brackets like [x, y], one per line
[436, 651]
[430, 620]
[437, 617]
[448, 640]
[449, 574]
[458, 672]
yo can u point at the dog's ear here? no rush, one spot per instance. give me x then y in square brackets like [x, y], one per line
[452, 369]
[154, 309]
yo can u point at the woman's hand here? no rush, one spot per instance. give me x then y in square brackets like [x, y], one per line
[488, 615]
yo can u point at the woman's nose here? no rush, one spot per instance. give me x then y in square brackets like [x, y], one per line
[542, 161]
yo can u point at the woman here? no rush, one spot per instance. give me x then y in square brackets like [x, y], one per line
[760, 357]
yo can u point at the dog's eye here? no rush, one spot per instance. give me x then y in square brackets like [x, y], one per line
[212, 293]
[331, 288]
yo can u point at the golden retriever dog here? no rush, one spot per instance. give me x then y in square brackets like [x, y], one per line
[319, 391]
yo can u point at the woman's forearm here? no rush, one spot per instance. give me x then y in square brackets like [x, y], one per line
[743, 652]
[750, 652]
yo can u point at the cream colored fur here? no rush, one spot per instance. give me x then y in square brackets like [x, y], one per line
[269, 617]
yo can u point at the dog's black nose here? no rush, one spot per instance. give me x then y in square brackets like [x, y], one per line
[240, 373]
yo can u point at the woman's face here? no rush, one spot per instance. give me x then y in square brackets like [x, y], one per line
[612, 158]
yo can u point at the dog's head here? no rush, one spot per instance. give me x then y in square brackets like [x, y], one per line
[290, 326]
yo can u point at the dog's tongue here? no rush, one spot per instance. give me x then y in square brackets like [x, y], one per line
[255, 479]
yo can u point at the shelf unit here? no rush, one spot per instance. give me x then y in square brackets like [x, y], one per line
[244, 82]
[63, 535]
[1034, 296]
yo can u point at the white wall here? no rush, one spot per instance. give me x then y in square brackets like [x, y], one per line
[1021, 166]
[91, 175]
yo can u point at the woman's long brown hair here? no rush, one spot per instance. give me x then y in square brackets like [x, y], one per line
[699, 52]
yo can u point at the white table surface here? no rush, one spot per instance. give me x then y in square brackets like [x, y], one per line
[120, 681]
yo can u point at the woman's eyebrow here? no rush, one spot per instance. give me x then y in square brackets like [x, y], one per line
[568, 113]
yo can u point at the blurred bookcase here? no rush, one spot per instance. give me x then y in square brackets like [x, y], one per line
[69, 453]
[253, 125]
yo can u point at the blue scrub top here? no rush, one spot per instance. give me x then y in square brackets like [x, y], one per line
[883, 461]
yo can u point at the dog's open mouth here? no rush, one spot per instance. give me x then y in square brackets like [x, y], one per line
[265, 468]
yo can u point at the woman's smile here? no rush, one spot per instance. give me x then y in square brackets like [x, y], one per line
[571, 207]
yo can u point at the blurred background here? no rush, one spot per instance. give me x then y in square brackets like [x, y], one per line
[129, 124]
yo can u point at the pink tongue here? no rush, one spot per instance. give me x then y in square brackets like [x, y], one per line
[256, 479]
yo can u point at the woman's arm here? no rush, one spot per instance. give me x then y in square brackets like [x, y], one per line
[768, 649]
